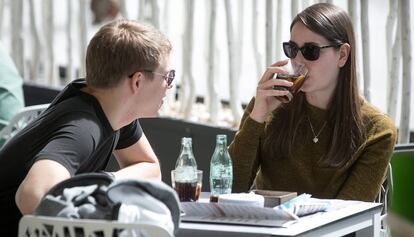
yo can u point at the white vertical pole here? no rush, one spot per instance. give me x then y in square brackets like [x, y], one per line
[141, 10]
[391, 27]
[155, 13]
[212, 82]
[51, 75]
[240, 35]
[404, 133]
[294, 9]
[145, 11]
[17, 43]
[395, 70]
[83, 34]
[279, 25]
[166, 18]
[187, 90]
[305, 4]
[269, 32]
[366, 49]
[123, 9]
[37, 46]
[171, 104]
[235, 103]
[257, 55]
[393, 46]
[69, 47]
[1, 17]
[353, 13]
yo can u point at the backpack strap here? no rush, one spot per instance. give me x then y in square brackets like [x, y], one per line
[117, 135]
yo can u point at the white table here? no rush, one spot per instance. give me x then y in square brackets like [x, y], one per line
[360, 217]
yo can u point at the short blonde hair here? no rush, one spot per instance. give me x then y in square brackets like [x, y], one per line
[121, 48]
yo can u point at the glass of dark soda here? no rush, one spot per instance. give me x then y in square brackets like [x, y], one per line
[187, 190]
[297, 74]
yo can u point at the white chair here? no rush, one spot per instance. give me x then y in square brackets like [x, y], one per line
[21, 119]
[383, 197]
[36, 226]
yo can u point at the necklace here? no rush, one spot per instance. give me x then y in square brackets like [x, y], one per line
[315, 136]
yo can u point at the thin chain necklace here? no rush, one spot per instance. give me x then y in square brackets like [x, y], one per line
[315, 136]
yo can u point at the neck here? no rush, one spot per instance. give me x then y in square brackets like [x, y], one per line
[320, 99]
[113, 105]
[317, 100]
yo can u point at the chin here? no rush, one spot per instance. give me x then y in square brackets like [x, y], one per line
[150, 114]
[306, 87]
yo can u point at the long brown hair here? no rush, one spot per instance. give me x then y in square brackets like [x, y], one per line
[344, 110]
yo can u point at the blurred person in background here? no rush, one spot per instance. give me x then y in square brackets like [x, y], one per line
[11, 91]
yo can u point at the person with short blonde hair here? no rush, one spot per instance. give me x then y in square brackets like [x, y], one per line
[127, 75]
[121, 48]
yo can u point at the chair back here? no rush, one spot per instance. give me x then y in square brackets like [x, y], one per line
[21, 119]
[386, 188]
[96, 203]
[400, 218]
[30, 226]
[385, 192]
[402, 178]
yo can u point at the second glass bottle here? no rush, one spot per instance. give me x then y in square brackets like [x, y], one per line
[221, 169]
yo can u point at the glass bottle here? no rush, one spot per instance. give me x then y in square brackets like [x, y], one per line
[221, 169]
[185, 180]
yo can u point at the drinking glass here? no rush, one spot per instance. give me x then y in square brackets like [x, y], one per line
[297, 74]
[188, 191]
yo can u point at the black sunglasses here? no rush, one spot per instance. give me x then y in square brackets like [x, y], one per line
[309, 51]
[169, 77]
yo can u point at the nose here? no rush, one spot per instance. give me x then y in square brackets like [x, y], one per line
[299, 59]
[299, 63]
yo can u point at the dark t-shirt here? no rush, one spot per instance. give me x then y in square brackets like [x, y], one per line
[73, 131]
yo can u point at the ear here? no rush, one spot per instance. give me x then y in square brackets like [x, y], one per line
[344, 52]
[134, 81]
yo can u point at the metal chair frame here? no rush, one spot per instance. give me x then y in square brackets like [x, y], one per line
[43, 226]
[21, 119]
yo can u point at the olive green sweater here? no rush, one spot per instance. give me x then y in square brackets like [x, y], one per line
[359, 179]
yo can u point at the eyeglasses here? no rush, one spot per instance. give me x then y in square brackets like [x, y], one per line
[169, 77]
[309, 51]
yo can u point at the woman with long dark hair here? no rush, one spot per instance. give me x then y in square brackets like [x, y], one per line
[327, 140]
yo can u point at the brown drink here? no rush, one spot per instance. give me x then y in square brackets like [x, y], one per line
[188, 191]
[198, 191]
[213, 198]
[296, 79]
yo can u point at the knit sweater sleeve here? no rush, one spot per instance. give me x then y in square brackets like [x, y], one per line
[369, 171]
[244, 151]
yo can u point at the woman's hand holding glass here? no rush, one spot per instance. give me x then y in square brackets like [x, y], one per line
[266, 96]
